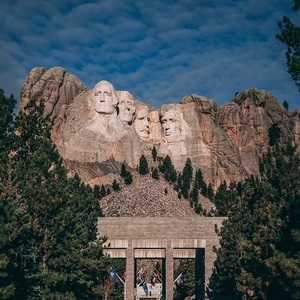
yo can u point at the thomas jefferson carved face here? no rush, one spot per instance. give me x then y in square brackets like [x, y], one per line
[126, 106]
[171, 126]
[105, 97]
[141, 123]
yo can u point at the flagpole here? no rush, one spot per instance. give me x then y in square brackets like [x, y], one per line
[120, 278]
[177, 278]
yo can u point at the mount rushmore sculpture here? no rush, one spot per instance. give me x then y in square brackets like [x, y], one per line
[96, 131]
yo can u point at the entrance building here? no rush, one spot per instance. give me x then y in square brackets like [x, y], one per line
[161, 238]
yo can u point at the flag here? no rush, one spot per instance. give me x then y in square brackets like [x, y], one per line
[179, 281]
[141, 280]
[140, 277]
[155, 278]
[113, 276]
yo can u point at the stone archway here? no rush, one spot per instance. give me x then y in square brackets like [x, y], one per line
[165, 238]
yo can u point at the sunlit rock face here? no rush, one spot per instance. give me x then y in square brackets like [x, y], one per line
[96, 131]
[55, 87]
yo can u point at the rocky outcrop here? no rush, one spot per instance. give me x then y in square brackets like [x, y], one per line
[55, 87]
[97, 130]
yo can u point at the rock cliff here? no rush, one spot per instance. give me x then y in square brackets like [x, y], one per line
[96, 131]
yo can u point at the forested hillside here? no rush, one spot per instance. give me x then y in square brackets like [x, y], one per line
[48, 246]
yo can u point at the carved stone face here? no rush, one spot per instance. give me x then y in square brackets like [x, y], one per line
[171, 126]
[141, 123]
[126, 106]
[105, 97]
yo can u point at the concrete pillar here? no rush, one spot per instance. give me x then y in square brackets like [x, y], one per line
[129, 285]
[169, 271]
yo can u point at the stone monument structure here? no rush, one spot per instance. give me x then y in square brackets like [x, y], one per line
[171, 238]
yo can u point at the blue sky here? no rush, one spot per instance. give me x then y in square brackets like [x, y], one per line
[158, 50]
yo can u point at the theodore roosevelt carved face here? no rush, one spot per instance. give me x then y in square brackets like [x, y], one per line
[141, 122]
[104, 97]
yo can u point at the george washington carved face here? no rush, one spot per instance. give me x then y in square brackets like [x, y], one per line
[104, 97]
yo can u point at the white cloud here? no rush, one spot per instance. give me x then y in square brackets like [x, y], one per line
[158, 50]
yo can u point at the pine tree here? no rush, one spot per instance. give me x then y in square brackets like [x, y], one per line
[10, 273]
[259, 254]
[143, 165]
[289, 35]
[274, 134]
[186, 178]
[96, 191]
[194, 199]
[155, 174]
[123, 171]
[154, 153]
[115, 186]
[168, 169]
[210, 191]
[201, 185]
[128, 178]
[225, 199]
[102, 191]
[54, 248]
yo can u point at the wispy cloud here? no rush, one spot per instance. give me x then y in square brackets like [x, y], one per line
[159, 50]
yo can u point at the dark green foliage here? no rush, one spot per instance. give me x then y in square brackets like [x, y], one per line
[167, 168]
[162, 168]
[187, 172]
[184, 192]
[225, 199]
[194, 198]
[201, 185]
[128, 178]
[108, 191]
[285, 105]
[296, 5]
[155, 174]
[186, 178]
[260, 242]
[274, 134]
[97, 192]
[102, 191]
[210, 192]
[154, 153]
[289, 35]
[48, 221]
[198, 208]
[115, 186]
[143, 165]
[123, 171]
[6, 118]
